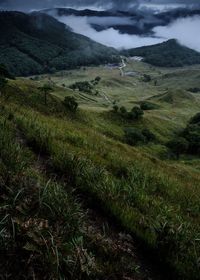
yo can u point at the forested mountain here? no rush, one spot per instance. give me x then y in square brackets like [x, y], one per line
[38, 43]
[167, 54]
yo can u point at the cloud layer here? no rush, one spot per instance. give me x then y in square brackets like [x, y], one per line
[119, 4]
[185, 30]
[109, 37]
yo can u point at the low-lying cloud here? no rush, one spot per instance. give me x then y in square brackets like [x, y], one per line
[185, 30]
[109, 37]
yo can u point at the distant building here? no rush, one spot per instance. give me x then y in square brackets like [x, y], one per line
[137, 58]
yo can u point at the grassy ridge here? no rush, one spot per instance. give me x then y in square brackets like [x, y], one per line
[158, 201]
[43, 224]
[160, 209]
[32, 225]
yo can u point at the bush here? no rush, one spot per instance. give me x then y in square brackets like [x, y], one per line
[146, 78]
[134, 136]
[97, 79]
[150, 136]
[192, 135]
[4, 72]
[135, 114]
[194, 90]
[195, 119]
[70, 103]
[3, 83]
[115, 108]
[178, 146]
[123, 110]
[82, 86]
[145, 106]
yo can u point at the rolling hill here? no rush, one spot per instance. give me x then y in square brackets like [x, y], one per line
[167, 54]
[38, 43]
[66, 176]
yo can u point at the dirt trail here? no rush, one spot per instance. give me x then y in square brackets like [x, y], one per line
[121, 68]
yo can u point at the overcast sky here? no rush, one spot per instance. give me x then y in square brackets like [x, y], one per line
[37, 4]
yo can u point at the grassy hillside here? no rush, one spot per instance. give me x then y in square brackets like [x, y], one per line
[37, 43]
[167, 54]
[81, 163]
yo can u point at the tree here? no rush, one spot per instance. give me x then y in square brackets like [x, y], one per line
[146, 78]
[145, 106]
[133, 136]
[4, 72]
[3, 83]
[192, 134]
[115, 108]
[45, 89]
[3, 75]
[97, 79]
[70, 103]
[178, 146]
[136, 113]
[195, 119]
[123, 110]
[149, 136]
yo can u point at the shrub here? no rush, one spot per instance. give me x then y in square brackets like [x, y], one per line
[70, 103]
[192, 135]
[178, 146]
[146, 78]
[136, 113]
[150, 136]
[82, 86]
[195, 119]
[115, 108]
[194, 90]
[133, 136]
[3, 83]
[145, 105]
[123, 110]
[97, 79]
[4, 72]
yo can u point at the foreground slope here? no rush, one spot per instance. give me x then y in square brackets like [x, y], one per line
[37, 43]
[156, 201]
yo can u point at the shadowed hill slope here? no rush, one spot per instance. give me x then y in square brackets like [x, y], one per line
[167, 54]
[38, 43]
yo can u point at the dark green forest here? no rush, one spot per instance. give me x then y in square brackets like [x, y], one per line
[167, 54]
[38, 43]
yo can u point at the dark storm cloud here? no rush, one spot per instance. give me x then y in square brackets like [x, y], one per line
[36, 4]
[120, 4]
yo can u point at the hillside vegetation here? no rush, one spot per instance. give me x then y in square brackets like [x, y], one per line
[62, 164]
[37, 43]
[167, 54]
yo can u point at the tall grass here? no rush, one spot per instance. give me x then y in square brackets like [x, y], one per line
[40, 222]
[130, 187]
